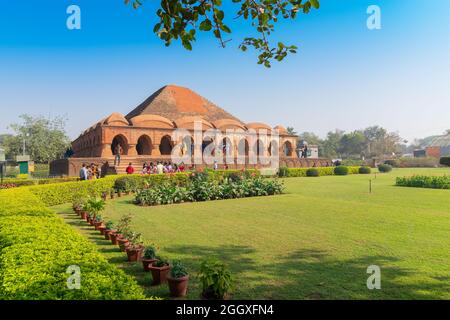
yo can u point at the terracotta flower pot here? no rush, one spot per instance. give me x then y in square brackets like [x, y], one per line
[146, 263]
[111, 195]
[178, 286]
[119, 194]
[134, 254]
[91, 222]
[83, 215]
[159, 274]
[104, 196]
[102, 229]
[97, 224]
[123, 244]
[107, 234]
[115, 237]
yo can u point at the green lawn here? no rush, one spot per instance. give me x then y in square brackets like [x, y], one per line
[314, 242]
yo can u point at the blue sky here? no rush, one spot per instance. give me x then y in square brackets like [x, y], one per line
[344, 75]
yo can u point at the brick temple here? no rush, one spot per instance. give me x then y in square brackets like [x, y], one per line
[146, 134]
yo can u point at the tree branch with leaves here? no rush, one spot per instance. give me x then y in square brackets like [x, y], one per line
[181, 19]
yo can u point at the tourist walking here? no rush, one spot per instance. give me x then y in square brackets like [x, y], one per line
[117, 152]
[159, 168]
[83, 172]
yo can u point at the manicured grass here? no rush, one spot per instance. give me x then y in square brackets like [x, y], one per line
[315, 242]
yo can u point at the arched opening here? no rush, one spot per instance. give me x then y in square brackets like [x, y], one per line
[165, 147]
[227, 147]
[144, 146]
[205, 143]
[258, 148]
[121, 141]
[187, 147]
[273, 148]
[243, 147]
[287, 149]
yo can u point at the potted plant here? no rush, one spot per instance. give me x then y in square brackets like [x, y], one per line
[178, 279]
[112, 193]
[159, 269]
[104, 195]
[123, 241]
[149, 257]
[109, 227]
[216, 279]
[135, 247]
[123, 227]
[91, 218]
[98, 222]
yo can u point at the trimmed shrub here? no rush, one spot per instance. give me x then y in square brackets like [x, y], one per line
[341, 171]
[36, 249]
[445, 161]
[364, 170]
[434, 182]
[393, 163]
[384, 168]
[312, 172]
[283, 172]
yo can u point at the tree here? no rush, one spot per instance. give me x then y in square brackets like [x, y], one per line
[180, 20]
[331, 145]
[45, 138]
[352, 144]
[291, 131]
[311, 139]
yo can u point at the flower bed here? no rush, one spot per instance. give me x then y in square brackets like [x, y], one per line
[37, 247]
[434, 182]
[200, 187]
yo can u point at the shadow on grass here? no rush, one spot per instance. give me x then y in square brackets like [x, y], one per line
[303, 274]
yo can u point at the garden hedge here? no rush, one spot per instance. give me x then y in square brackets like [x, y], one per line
[323, 171]
[434, 182]
[31, 182]
[37, 247]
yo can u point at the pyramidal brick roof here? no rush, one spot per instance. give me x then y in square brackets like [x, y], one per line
[174, 102]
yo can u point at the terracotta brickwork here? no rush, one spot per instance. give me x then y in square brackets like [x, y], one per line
[146, 133]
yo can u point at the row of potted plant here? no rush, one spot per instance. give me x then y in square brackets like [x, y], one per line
[214, 275]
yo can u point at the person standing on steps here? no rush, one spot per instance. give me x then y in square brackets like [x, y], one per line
[117, 152]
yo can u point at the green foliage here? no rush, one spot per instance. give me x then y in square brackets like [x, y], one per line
[364, 170]
[200, 188]
[445, 161]
[312, 172]
[384, 168]
[124, 225]
[45, 139]
[216, 278]
[150, 252]
[181, 19]
[37, 247]
[110, 225]
[417, 181]
[54, 194]
[283, 172]
[178, 270]
[341, 171]
[161, 262]
[94, 206]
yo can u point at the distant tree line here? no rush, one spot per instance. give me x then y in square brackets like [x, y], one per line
[45, 139]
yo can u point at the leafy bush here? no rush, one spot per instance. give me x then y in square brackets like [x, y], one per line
[341, 170]
[150, 252]
[364, 170]
[202, 189]
[312, 172]
[445, 161]
[353, 162]
[384, 168]
[283, 172]
[178, 270]
[216, 278]
[161, 262]
[36, 249]
[434, 182]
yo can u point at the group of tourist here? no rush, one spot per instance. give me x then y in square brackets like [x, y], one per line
[90, 172]
[157, 168]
